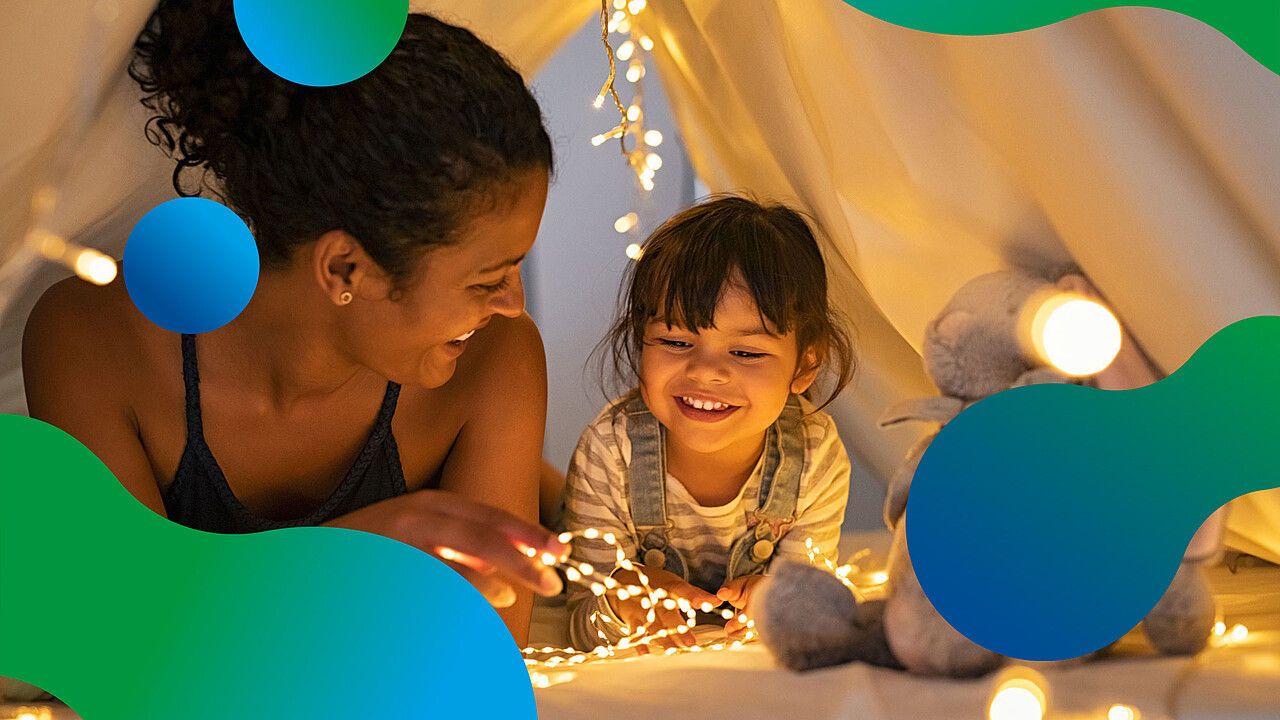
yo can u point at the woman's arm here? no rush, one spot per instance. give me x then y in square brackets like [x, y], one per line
[71, 350]
[497, 456]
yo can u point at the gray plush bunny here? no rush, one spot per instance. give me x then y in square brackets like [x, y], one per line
[808, 619]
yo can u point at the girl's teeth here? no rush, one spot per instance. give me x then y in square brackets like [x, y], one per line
[704, 404]
[460, 338]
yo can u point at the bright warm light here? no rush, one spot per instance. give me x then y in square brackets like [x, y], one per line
[626, 50]
[1121, 712]
[646, 183]
[635, 6]
[633, 113]
[635, 72]
[634, 252]
[624, 27]
[619, 4]
[1015, 703]
[879, 578]
[653, 138]
[95, 267]
[646, 42]
[1076, 335]
[599, 140]
[626, 222]
[1219, 628]
[619, 16]
[653, 161]
[1239, 633]
[598, 102]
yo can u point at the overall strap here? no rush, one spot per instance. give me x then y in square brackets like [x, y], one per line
[647, 488]
[191, 381]
[779, 494]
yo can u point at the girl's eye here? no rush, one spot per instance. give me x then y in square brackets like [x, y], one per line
[748, 355]
[673, 343]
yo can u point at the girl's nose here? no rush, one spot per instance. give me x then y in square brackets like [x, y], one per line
[709, 370]
[509, 302]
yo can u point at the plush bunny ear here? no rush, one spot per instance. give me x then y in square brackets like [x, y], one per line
[935, 409]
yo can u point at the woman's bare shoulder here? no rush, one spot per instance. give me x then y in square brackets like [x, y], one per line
[80, 327]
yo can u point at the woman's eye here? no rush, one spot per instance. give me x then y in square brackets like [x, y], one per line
[494, 288]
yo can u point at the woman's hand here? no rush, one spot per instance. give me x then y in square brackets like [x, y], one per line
[737, 592]
[487, 546]
[631, 612]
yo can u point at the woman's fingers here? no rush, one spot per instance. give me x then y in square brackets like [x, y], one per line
[486, 552]
[499, 593]
[521, 533]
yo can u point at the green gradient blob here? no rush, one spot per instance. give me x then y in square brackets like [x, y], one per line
[1254, 25]
[123, 614]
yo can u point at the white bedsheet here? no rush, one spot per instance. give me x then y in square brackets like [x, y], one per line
[1224, 682]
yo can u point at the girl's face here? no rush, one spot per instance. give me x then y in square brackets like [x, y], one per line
[417, 339]
[721, 388]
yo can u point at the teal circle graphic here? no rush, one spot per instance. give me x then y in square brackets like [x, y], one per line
[321, 42]
[191, 265]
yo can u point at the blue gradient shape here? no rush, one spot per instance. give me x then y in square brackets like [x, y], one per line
[321, 42]
[191, 265]
[1045, 522]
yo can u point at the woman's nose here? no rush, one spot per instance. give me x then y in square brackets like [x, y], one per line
[509, 302]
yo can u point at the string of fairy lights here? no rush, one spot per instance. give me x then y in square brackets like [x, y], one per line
[618, 18]
[542, 663]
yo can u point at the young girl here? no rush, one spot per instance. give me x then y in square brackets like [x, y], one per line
[716, 464]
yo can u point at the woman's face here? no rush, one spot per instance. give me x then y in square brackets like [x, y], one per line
[417, 338]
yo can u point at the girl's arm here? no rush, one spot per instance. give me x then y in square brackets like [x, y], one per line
[497, 456]
[593, 499]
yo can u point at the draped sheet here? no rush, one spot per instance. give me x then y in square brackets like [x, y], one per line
[1138, 143]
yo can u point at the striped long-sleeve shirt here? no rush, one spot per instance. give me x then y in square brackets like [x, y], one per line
[596, 497]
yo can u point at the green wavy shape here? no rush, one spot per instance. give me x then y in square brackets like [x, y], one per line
[1254, 25]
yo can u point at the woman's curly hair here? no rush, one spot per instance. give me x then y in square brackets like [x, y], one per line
[400, 159]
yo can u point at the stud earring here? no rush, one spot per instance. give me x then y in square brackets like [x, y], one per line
[345, 298]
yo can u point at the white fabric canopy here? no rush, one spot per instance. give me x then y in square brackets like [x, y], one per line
[1138, 143]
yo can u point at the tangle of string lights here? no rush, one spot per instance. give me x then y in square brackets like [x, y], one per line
[641, 157]
[541, 662]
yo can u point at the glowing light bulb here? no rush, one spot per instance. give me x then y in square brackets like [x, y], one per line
[634, 251]
[447, 553]
[1076, 335]
[646, 42]
[635, 72]
[624, 27]
[626, 222]
[653, 161]
[619, 4]
[646, 183]
[1219, 628]
[1121, 712]
[653, 138]
[597, 104]
[1239, 633]
[1015, 703]
[95, 267]
[626, 50]
[633, 113]
[635, 6]
[879, 578]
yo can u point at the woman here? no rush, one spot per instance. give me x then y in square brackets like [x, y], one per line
[385, 356]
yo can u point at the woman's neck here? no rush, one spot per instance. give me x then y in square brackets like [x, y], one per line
[714, 478]
[285, 346]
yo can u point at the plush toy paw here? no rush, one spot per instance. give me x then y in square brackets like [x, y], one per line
[1180, 624]
[808, 619]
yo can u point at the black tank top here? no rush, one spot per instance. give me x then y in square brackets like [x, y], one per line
[200, 498]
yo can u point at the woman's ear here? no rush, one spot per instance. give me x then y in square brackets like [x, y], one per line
[806, 371]
[344, 271]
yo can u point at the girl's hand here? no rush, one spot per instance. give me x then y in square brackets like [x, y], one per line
[737, 592]
[485, 545]
[634, 615]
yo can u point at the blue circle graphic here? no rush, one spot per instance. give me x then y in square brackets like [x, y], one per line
[191, 265]
[321, 42]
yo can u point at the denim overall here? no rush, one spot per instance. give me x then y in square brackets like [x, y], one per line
[779, 491]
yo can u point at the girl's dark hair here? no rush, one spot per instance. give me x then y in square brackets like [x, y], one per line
[686, 266]
[400, 159]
